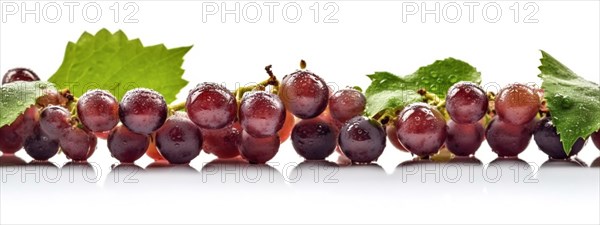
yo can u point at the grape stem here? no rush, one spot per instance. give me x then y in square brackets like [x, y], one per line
[271, 81]
[174, 107]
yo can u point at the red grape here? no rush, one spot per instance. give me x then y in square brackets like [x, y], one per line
[304, 93]
[13, 135]
[362, 140]
[179, 140]
[222, 142]
[286, 130]
[548, 140]
[463, 139]
[55, 121]
[346, 104]
[19, 74]
[78, 144]
[421, 129]
[507, 139]
[127, 146]
[258, 150]
[39, 146]
[143, 111]
[10, 140]
[211, 106]
[314, 139]
[466, 102]
[517, 104]
[392, 135]
[152, 151]
[98, 110]
[262, 114]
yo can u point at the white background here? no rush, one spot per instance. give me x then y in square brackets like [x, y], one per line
[369, 36]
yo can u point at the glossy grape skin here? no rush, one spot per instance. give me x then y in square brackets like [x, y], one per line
[517, 104]
[179, 140]
[19, 74]
[54, 121]
[362, 140]
[222, 142]
[143, 111]
[262, 114]
[152, 151]
[78, 144]
[98, 110]
[548, 140]
[464, 139]
[345, 104]
[304, 94]
[211, 106]
[39, 145]
[421, 129]
[392, 135]
[314, 139]
[127, 146]
[258, 150]
[286, 130]
[596, 139]
[507, 139]
[466, 102]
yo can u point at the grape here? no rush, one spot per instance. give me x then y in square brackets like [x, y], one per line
[98, 110]
[143, 111]
[222, 142]
[39, 145]
[261, 113]
[179, 140]
[346, 104]
[54, 121]
[78, 144]
[362, 140]
[463, 139]
[596, 139]
[286, 130]
[10, 140]
[507, 139]
[211, 106]
[466, 102]
[517, 104]
[314, 139]
[127, 146]
[421, 129]
[152, 151]
[258, 150]
[13, 135]
[304, 93]
[392, 135]
[548, 140]
[19, 74]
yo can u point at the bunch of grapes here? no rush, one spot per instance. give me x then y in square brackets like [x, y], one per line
[253, 121]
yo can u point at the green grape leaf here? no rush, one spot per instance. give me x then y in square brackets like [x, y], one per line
[112, 62]
[573, 102]
[16, 97]
[389, 93]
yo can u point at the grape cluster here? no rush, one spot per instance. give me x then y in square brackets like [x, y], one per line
[252, 122]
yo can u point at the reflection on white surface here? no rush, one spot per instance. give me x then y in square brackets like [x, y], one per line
[233, 191]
